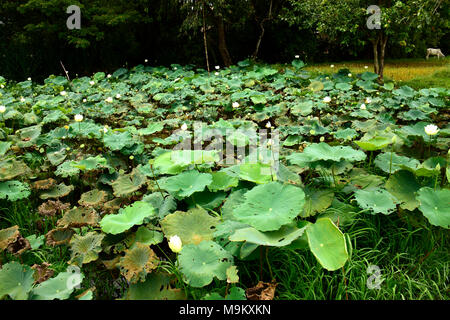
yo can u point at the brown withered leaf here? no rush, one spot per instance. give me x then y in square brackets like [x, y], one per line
[94, 198]
[262, 291]
[44, 184]
[138, 262]
[79, 217]
[8, 236]
[111, 264]
[52, 208]
[42, 272]
[19, 246]
[59, 236]
[113, 206]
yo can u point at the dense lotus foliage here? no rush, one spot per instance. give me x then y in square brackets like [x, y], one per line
[113, 171]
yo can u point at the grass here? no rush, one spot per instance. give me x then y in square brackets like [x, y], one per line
[414, 264]
[417, 73]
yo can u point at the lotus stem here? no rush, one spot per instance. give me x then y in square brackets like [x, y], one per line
[268, 263]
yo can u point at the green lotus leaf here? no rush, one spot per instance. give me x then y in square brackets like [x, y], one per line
[279, 238]
[85, 248]
[193, 226]
[267, 207]
[128, 183]
[118, 141]
[148, 236]
[157, 286]
[164, 205]
[390, 162]
[375, 143]
[8, 236]
[185, 184]
[184, 158]
[303, 108]
[56, 154]
[258, 99]
[327, 243]
[138, 262]
[369, 76]
[405, 91]
[164, 164]
[4, 147]
[340, 213]
[361, 179]
[322, 151]
[200, 263]
[66, 169]
[435, 206]
[151, 129]
[56, 192]
[316, 201]
[343, 86]
[378, 201]
[259, 173]
[222, 181]
[429, 168]
[35, 241]
[28, 136]
[235, 293]
[232, 274]
[10, 169]
[93, 198]
[55, 116]
[14, 190]
[16, 281]
[60, 287]
[127, 217]
[403, 185]
[346, 134]
[91, 163]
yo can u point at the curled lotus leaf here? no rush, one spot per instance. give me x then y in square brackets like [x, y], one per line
[79, 217]
[44, 184]
[113, 206]
[59, 236]
[85, 248]
[52, 207]
[10, 169]
[93, 198]
[193, 226]
[8, 236]
[138, 262]
[128, 183]
[59, 191]
[19, 246]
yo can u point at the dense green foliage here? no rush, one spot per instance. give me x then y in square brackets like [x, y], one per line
[34, 37]
[95, 191]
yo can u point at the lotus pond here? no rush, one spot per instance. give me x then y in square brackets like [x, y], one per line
[172, 183]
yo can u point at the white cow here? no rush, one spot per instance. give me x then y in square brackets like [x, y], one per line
[435, 52]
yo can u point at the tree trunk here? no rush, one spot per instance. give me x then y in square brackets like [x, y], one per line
[204, 37]
[223, 49]
[261, 26]
[375, 55]
[384, 39]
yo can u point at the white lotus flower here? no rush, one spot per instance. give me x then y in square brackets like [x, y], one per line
[84, 100]
[175, 68]
[322, 139]
[175, 244]
[63, 93]
[217, 67]
[332, 66]
[2, 109]
[78, 117]
[91, 83]
[109, 100]
[146, 60]
[29, 79]
[363, 107]
[297, 56]
[118, 96]
[431, 130]
[269, 142]
[368, 100]
[108, 76]
[22, 99]
[105, 129]
[216, 73]
[268, 125]
[2, 86]
[350, 75]
[326, 99]
[235, 105]
[184, 127]
[366, 67]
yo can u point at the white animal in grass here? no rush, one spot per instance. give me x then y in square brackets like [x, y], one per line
[435, 52]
